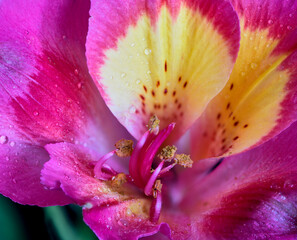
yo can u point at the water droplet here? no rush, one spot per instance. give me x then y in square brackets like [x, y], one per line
[132, 109]
[290, 15]
[111, 77]
[12, 144]
[123, 222]
[123, 75]
[138, 81]
[254, 65]
[242, 74]
[88, 205]
[35, 113]
[289, 27]
[289, 184]
[79, 85]
[129, 212]
[76, 72]
[3, 139]
[147, 51]
[14, 181]
[148, 72]
[270, 21]
[132, 44]
[64, 37]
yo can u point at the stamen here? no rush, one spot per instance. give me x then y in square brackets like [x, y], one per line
[153, 125]
[157, 188]
[167, 153]
[124, 148]
[152, 179]
[118, 180]
[98, 167]
[183, 160]
[156, 207]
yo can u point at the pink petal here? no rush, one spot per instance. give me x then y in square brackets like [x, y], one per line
[71, 168]
[45, 89]
[168, 58]
[248, 196]
[125, 221]
[20, 167]
[46, 92]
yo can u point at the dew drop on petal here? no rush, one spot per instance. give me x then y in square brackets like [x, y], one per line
[123, 75]
[79, 85]
[76, 72]
[3, 139]
[254, 65]
[147, 51]
[138, 81]
[88, 205]
[132, 109]
[35, 113]
[12, 144]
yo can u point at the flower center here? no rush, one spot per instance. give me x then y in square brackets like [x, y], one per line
[140, 165]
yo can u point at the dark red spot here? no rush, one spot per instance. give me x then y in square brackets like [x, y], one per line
[224, 131]
[223, 140]
[179, 79]
[144, 87]
[174, 92]
[137, 111]
[228, 106]
[231, 87]
[223, 147]
[181, 114]
[155, 106]
[164, 106]
[235, 138]
[246, 125]
[153, 93]
[185, 84]
[158, 83]
[231, 113]
[159, 106]
[165, 66]
[176, 101]
[143, 104]
[143, 111]
[142, 97]
[236, 123]
[165, 91]
[219, 125]
[233, 118]
[179, 106]
[219, 116]
[205, 134]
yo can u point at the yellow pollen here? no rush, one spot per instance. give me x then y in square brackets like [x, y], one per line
[118, 180]
[124, 148]
[153, 124]
[183, 160]
[157, 188]
[167, 153]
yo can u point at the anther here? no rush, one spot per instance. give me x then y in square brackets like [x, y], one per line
[118, 180]
[124, 148]
[167, 153]
[157, 188]
[153, 125]
[183, 160]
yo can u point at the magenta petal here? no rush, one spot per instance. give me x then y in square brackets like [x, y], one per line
[20, 166]
[71, 168]
[46, 91]
[252, 195]
[118, 222]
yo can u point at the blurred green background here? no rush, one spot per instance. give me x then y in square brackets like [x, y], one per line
[18, 222]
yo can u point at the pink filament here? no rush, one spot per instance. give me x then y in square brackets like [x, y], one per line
[156, 207]
[99, 165]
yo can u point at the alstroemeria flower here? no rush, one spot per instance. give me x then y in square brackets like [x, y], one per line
[73, 86]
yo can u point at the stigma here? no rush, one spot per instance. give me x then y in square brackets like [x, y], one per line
[142, 157]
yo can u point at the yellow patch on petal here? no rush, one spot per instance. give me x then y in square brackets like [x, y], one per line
[248, 108]
[171, 69]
